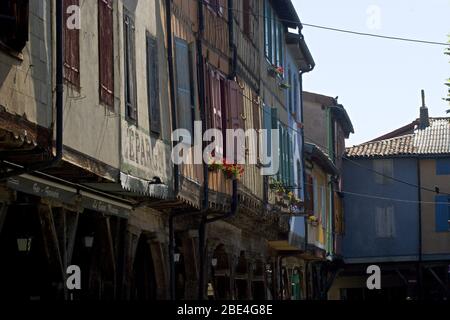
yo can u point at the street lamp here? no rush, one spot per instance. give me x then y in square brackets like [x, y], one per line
[88, 241]
[24, 244]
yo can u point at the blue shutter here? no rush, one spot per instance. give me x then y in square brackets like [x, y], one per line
[183, 85]
[442, 167]
[442, 213]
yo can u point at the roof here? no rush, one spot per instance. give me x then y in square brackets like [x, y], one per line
[287, 13]
[316, 154]
[337, 109]
[431, 141]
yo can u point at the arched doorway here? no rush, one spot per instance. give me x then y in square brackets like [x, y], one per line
[143, 282]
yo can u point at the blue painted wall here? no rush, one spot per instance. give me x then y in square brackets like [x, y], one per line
[294, 94]
[360, 240]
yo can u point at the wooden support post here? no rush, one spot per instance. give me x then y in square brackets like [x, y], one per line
[130, 246]
[161, 267]
[190, 255]
[51, 243]
[3, 213]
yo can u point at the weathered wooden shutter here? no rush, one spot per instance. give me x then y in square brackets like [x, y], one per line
[256, 122]
[247, 18]
[236, 106]
[14, 17]
[309, 205]
[106, 51]
[71, 48]
[130, 67]
[183, 85]
[442, 209]
[235, 112]
[153, 85]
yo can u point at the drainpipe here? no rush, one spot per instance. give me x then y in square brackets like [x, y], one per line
[173, 100]
[233, 59]
[59, 104]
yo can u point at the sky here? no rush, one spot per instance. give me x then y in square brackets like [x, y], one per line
[377, 80]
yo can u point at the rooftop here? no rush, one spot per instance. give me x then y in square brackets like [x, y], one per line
[431, 141]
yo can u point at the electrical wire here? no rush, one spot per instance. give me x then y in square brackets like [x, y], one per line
[420, 41]
[436, 190]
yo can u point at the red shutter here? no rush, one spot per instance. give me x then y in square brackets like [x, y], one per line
[71, 48]
[309, 194]
[106, 51]
[236, 106]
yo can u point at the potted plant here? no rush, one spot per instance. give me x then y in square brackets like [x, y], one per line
[275, 71]
[215, 165]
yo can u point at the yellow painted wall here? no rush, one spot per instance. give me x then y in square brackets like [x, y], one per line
[433, 242]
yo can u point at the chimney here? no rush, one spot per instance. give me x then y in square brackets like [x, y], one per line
[424, 121]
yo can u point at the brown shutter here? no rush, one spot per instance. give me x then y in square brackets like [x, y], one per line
[256, 121]
[14, 23]
[236, 106]
[247, 17]
[153, 85]
[106, 52]
[71, 48]
[309, 194]
[130, 68]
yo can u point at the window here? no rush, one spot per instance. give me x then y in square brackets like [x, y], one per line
[385, 222]
[273, 36]
[442, 167]
[383, 171]
[14, 23]
[153, 85]
[130, 67]
[106, 52]
[71, 49]
[442, 213]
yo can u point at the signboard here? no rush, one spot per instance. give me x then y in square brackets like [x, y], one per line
[68, 195]
[144, 156]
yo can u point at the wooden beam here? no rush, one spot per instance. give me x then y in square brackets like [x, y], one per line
[3, 213]
[161, 267]
[50, 239]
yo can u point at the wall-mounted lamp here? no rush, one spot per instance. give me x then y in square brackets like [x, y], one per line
[214, 262]
[176, 257]
[88, 241]
[24, 244]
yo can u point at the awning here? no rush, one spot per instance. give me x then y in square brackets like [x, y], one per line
[70, 195]
[144, 187]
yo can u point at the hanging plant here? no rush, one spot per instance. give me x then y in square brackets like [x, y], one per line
[233, 171]
[215, 165]
[284, 85]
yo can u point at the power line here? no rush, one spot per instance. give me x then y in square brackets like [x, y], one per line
[376, 35]
[327, 149]
[331, 28]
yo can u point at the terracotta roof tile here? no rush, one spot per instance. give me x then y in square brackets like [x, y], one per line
[433, 140]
